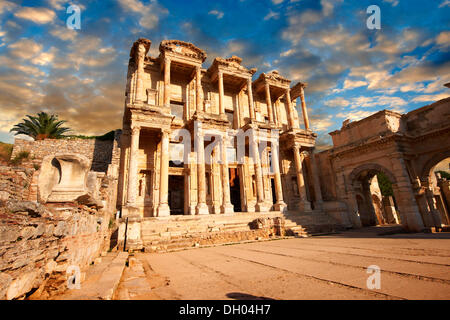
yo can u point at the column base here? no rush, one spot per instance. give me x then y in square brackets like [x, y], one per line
[304, 206]
[227, 208]
[280, 206]
[163, 210]
[216, 209]
[202, 208]
[263, 207]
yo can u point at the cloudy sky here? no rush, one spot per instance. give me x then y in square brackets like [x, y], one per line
[352, 71]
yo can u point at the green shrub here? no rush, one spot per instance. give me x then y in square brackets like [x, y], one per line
[444, 174]
[22, 155]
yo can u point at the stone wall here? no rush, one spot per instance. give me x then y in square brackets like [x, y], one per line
[99, 152]
[15, 182]
[38, 243]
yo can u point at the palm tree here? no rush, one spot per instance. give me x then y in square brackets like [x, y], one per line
[41, 127]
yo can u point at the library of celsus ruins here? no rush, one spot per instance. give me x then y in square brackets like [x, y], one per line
[218, 144]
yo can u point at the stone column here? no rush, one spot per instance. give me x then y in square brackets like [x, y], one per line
[133, 167]
[305, 205]
[304, 110]
[405, 199]
[291, 119]
[201, 208]
[260, 205]
[198, 88]
[167, 82]
[433, 208]
[250, 99]
[227, 207]
[221, 104]
[280, 205]
[163, 208]
[269, 103]
[316, 180]
[140, 73]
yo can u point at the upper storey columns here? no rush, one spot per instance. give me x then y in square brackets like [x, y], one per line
[167, 63]
[304, 110]
[221, 92]
[268, 102]
[291, 111]
[198, 89]
[250, 99]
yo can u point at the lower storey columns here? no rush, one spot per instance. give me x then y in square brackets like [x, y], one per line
[163, 208]
[201, 208]
[133, 167]
[316, 180]
[279, 205]
[227, 207]
[261, 206]
[304, 204]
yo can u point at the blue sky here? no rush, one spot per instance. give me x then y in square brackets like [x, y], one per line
[351, 71]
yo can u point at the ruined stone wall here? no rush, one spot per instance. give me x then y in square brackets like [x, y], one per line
[99, 152]
[15, 182]
[38, 243]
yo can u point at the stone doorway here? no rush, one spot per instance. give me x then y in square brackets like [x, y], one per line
[235, 189]
[176, 194]
[274, 194]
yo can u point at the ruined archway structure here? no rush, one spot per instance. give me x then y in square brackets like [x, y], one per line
[404, 147]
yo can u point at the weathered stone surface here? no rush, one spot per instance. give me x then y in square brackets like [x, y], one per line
[32, 208]
[90, 201]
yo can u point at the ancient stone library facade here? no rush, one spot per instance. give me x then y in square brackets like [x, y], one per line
[217, 152]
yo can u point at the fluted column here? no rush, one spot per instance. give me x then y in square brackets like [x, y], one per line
[163, 208]
[305, 205]
[133, 167]
[250, 99]
[221, 104]
[269, 103]
[260, 205]
[166, 82]
[198, 88]
[280, 205]
[316, 179]
[201, 208]
[227, 207]
[289, 108]
[304, 110]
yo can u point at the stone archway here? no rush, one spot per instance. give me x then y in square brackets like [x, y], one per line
[370, 210]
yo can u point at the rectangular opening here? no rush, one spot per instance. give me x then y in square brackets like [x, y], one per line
[177, 108]
[176, 194]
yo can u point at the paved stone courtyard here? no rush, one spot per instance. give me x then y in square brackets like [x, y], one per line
[413, 266]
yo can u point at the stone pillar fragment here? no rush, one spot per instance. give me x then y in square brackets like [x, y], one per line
[305, 205]
[133, 167]
[436, 216]
[163, 208]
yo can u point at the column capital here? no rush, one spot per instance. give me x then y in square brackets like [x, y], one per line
[135, 129]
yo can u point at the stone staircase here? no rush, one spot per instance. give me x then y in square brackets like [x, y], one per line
[179, 232]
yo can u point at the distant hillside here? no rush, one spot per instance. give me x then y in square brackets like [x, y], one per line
[5, 151]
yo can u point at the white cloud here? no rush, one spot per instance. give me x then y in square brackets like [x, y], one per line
[6, 6]
[430, 97]
[355, 115]
[350, 84]
[394, 3]
[337, 102]
[287, 53]
[445, 3]
[25, 48]
[272, 15]
[277, 1]
[64, 33]
[37, 15]
[149, 14]
[217, 13]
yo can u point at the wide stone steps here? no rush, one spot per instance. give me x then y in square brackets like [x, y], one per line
[177, 232]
